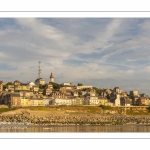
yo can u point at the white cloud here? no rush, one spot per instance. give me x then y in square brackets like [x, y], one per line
[121, 45]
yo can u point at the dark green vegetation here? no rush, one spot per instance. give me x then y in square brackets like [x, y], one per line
[6, 109]
[56, 86]
[79, 84]
[106, 107]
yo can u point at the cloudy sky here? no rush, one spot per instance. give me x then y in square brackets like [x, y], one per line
[102, 52]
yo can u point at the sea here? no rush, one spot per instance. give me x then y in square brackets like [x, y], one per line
[74, 128]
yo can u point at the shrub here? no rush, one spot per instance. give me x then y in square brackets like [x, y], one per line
[106, 107]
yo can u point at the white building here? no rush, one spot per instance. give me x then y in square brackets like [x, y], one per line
[135, 93]
[61, 101]
[117, 100]
[30, 84]
[91, 100]
[51, 78]
[40, 81]
[84, 87]
[67, 84]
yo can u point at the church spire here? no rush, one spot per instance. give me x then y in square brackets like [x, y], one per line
[51, 78]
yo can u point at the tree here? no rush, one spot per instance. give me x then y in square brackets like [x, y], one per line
[56, 86]
[80, 84]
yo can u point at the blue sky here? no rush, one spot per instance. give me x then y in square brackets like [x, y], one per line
[103, 52]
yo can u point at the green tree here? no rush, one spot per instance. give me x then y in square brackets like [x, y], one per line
[80, 84]
[56, 86]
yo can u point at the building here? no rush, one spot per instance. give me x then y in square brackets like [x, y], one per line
[125, 101]
[61, 101]
[46, 101]
[58, 95]
[91, 100]
[84, 87]
[37, 101]
[75, 93]
[51, 78]
[10, 86]
[142, 101]
[25, 102]
[39, 81]
[135, 99]
[134, 93]
[92, 92]
[30, 85]
[26, 94]
[1, 86]
[48, 89]
[16, 84]
[115, 98]
[3, 97]
[103, 101]
[35, 88]
[67, 101]
[67, 84]
[62, 89]
[13, 100]
[117, 90]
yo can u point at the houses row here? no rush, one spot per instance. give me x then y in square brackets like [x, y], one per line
[20, 95]
[86, 97]
[23, 99]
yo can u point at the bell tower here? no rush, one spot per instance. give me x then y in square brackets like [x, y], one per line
[51, 78]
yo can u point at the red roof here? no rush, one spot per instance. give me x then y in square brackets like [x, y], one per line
[51, 76]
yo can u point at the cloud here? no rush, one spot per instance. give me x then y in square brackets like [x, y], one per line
[96, 51]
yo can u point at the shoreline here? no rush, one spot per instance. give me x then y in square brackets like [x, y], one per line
[57, 125]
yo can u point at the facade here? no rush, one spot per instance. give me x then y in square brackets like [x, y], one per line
[30, 84]
[117, 90]
[3, 97]
[75, 94]
[17, 85]
[13, 100]
[37, 102]
[67, 101]
[24, 87]
[10, 86]
[124, 101]
[142, 101]
[84, 87]
[58, 95]
[46, 101]
[135, 99]
[25, 102]
[62, 89]
[26, 94]
[61, 101]
[91, 100]
[39, 81]
[115, 98]
[92, 92]
[1, 86]
[134, 93]
[103, 101]
[35, 88]
[48, 89]
[67, 84]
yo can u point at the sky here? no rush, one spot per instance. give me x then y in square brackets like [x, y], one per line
[102, 52]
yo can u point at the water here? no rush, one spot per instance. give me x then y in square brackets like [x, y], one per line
[74, 128]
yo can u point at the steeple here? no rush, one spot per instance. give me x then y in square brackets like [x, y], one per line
[51, 78]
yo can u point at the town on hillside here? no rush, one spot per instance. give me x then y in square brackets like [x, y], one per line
[39, 93]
